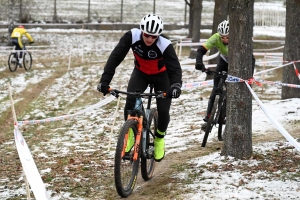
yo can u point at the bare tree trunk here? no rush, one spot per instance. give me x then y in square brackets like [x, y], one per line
[89, 11]
[291, 49]
[197, 10]
[121, 11]
[238, 131]
[55, 13]
[21, 12]
[11, 20]
[191, 17]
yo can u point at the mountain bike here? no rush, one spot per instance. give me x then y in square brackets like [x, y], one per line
[13, 59]
[140, 126]
[218, 112]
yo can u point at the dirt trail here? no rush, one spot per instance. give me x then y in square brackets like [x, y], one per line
[164, 186]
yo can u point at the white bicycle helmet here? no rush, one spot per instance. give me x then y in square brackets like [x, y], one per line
[223, 28]
[152, 24]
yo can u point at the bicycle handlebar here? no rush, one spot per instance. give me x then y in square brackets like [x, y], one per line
[159, 94]
[209, 72]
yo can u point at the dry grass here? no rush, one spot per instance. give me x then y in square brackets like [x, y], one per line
[91, 167]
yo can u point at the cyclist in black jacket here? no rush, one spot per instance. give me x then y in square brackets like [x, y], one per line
[155, 63]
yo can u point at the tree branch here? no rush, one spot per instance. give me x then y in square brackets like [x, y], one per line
[187, 3]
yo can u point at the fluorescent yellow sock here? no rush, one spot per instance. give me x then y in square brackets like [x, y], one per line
[130, 140]
[159, 146]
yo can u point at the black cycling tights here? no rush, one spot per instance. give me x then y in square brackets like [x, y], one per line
[140, 81]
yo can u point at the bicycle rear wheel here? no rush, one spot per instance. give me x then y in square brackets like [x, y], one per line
[126, 169]
[12, 62]
[27, 60]
[211, 121]
[148, 163]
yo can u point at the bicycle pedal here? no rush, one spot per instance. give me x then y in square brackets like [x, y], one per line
[150, 153]
[127, 156]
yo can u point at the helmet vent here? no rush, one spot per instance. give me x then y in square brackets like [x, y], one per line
[151, 24]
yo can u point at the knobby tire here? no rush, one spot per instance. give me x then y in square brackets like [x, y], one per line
[27, 61]
[221, 120]
[12, 65]
[148, 164]
[211, 121]
[126, 170]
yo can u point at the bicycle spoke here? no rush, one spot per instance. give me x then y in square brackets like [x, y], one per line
[148, 162]
[211, 121]
[126, 168]
[27, 61]
[12, 62]
[128, 153]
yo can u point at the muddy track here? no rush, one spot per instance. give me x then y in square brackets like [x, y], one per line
[164, 184]
[29, 95]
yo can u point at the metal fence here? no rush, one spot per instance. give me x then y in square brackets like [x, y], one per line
[266, 16]
[109, 11]
[124, 11]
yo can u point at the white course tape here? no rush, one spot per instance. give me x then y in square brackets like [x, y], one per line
[29, 167]
[59, 118]
[261, 72]
[291, 140]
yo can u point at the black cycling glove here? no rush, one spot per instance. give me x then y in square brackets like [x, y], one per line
[103, 87]
[174, 91]
[200, 66]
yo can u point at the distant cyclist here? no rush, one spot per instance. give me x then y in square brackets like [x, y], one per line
[219, 40]
[16, 39]
[155, 63]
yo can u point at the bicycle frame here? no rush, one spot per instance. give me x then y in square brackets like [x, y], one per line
[140, 115]
[221, 91]
[143, 123]
[27, 59]
[218, 109]
[139, 119]
[18, 52]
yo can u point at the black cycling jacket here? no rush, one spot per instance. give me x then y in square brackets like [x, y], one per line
[154, 59]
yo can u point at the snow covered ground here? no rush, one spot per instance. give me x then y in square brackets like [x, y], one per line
[216, 184]
[221, 178]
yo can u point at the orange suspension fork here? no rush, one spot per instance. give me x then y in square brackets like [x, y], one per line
[138, 139]
[125, 144]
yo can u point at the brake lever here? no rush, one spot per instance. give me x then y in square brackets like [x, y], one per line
[114, 93]
[162, 95]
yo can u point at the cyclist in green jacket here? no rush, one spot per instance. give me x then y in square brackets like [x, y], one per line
[219, 40]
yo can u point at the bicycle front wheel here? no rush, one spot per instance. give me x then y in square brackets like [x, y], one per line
[12, 62]
[27, 60]
[126, 169]
[221, 121]
[211, 120]
[148, 163]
